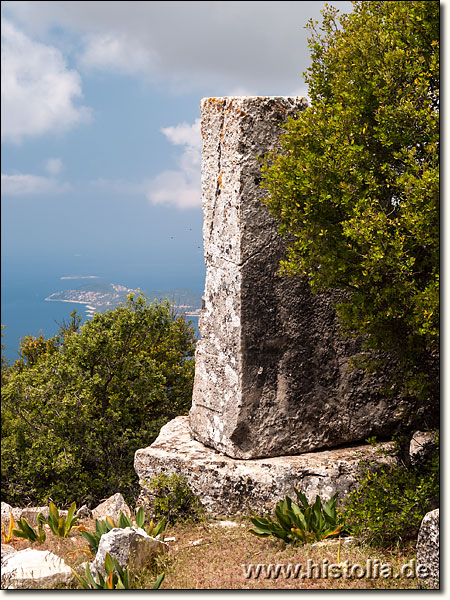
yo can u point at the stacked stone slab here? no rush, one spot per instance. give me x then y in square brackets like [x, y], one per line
[227, 486]
[272, 372]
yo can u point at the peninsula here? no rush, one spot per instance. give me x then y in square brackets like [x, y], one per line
[100, 296]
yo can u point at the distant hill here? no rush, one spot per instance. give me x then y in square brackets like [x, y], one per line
[99, 295]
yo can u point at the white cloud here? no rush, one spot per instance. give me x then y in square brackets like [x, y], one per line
[38, 91]
[181, 188]
[185, 134]
[31, 185]
[216, 47]
[115, 52]
[54, 166]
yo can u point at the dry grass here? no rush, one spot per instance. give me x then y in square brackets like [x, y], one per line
[73, 549]
[216, 559]
[216, 562]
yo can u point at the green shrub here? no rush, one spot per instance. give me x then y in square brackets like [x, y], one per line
[391, 502]
[74, 416]
[173, 499]
[299, 524]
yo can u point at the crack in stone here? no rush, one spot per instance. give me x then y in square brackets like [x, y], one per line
[209, 408]
[248, 258]
[219, 158]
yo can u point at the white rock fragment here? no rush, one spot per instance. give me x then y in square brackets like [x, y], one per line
[131, 547]
[112, 507]
[428, 551]
[36, 569]
[196, 542]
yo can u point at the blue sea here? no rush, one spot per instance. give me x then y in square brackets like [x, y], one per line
[24, 310]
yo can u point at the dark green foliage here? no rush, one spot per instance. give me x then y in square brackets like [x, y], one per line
[355, 185]
[390, 504]
[173, 499]
[300, 523]
[76, 408]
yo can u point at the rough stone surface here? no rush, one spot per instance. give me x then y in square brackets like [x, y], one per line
[421, 443]
[34, 568]
[6, 510]
[7, 550]
[231, 486]
[428, 549]
[30, 513]
[84, 512]
[272, 374]
[131, 546]
[112, 507]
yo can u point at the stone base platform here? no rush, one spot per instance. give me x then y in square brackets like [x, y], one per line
[227, 486]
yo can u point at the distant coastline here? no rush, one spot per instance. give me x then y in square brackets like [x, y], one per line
[99, 295]
[71, 301]
[80, 277]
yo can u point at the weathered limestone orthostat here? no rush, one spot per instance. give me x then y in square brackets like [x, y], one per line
[229, 486]
[272, 374]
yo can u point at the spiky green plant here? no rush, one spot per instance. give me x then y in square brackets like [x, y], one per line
[117, 577]
[61, 525]
[302, 523]
[8, 535]
[26, 531]
[102, 527]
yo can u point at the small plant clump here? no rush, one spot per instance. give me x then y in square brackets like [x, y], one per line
[26, 531]
[391, 502]
[59, 525]
[102, 527]
[173, 498]
[7, 536]
[117, 577]
[299, 524]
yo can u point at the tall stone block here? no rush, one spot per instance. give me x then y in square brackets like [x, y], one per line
[272, 373]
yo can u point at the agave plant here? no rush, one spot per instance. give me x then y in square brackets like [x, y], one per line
[26, 531]
[152, 530]
[102, 527]
[117, 578]
[8, 536]
[158, 529]
[61, 525]
[300, 523]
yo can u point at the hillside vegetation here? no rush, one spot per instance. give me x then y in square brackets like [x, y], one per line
[77, 406]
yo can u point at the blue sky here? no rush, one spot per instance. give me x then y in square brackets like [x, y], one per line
[100, 125]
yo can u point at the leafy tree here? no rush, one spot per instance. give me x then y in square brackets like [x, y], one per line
[4, 360]
[355, 184]
[73, 417]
